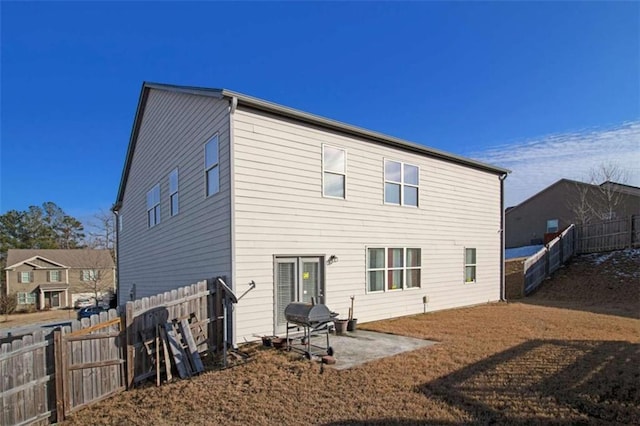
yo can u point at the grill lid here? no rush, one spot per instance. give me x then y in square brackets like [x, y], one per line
[307, 313]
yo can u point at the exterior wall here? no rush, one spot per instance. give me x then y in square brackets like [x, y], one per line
[528, 221]
[71, 277]
[279, 210]
[194, 244]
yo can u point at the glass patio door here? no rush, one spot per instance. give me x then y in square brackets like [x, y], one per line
[298, 279]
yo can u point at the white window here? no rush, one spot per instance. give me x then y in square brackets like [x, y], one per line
[54, 276]
[552, 225]
[334, 171]
[153, 206]
[393, 268]
[90, 275]
[401, 183]
[211, 166]
[173, 191]
[26, 298]
[25, 276]
[469, 265]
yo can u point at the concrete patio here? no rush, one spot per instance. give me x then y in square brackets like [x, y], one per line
[358, 347]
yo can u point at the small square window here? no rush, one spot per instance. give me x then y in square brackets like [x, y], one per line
[54, 276]
[401, 183]
[552, 226]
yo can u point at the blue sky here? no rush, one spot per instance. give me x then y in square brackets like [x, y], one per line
[546, 89]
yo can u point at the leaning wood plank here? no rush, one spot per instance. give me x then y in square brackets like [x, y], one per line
[157, 359]
[179, 356]
[191, 344]
[165, 351]
[59, 372]
[95, 327]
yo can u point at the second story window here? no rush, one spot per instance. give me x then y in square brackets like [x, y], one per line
[90, 275]
[211, 166]
[334, 172]
[173, 191]
[153, 206]
[25, 277]
[54, 276]
[401, 183]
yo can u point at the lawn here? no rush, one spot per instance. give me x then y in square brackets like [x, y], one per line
[575, 361]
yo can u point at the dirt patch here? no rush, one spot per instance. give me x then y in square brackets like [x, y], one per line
[514, 278]
[505, 363]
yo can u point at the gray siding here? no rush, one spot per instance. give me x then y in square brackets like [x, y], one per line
[279, 210]
[196, 243]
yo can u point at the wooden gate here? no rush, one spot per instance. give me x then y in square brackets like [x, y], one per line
[89, 362]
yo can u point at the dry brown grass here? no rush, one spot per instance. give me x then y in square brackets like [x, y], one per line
[515, 363]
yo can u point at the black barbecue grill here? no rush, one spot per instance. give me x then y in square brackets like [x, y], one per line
[314, 319]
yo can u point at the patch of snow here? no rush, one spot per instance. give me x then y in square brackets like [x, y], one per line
[526, 251]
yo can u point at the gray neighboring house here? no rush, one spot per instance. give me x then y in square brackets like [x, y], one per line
[56, 278]
[565, 202]
[219, 183]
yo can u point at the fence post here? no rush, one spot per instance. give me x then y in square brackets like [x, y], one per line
[631, 231]
[59, 374]
[129, 341]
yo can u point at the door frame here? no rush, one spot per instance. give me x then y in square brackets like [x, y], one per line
[298, 258]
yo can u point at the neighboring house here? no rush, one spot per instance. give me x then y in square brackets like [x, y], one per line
[565, 202]
[217, 183]
[51, 278]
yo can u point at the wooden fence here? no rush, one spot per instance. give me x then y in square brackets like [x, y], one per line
[548, 259]
[49, 374]
[27, 386]
[89, 362]
[194, 303]
[608, 235]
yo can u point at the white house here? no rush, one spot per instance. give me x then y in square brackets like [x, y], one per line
[219, 183]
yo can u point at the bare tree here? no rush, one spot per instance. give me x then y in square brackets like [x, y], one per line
[606, 175]
[97, 277]
[8, 304]
[598, 199]
[103, 232]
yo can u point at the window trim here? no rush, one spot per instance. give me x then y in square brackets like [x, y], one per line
[470, 265]
[21, 279]
[386, 269]
[155, 208]
[59, 276]
[325, 172]
[401, 183]
[89, 275]
[28, 297]
[209, 168]
[174, 193]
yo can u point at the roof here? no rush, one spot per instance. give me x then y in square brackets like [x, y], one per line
[72, 258]
[283, 111]
[622, 188]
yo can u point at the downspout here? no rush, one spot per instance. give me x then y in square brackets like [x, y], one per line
[503, 297]
[116, 213]
[232, 109]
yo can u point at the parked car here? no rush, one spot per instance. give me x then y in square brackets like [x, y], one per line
[91, 310]
[83, 303]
